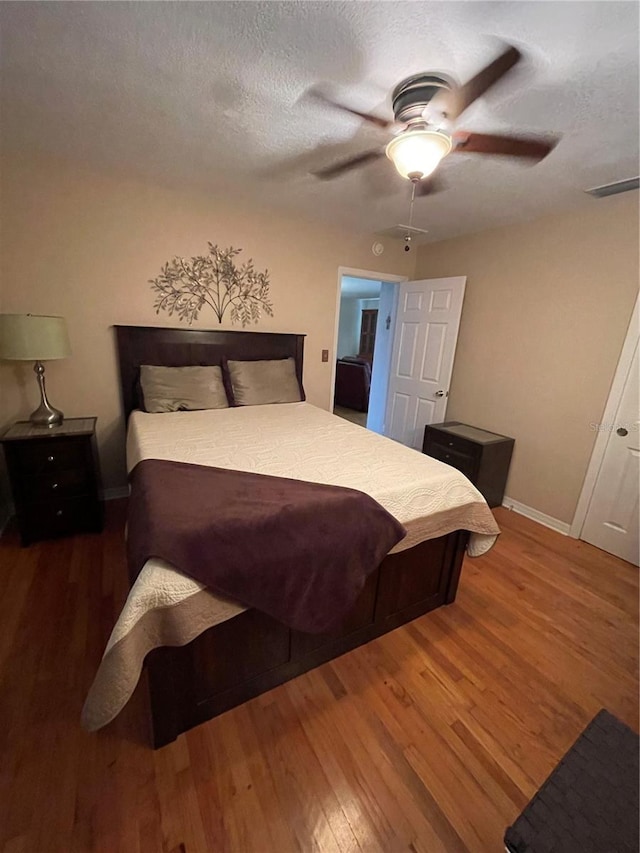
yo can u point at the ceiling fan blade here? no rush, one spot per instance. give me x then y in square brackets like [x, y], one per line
[384, 123]
[452, 103]
[338, 169]
[429, 186]
[510, 146]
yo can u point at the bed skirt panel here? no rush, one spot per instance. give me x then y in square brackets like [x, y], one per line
[251, 653]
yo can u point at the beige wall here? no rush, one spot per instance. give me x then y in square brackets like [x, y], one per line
[546, 309]
[84, 246]
[545, 312]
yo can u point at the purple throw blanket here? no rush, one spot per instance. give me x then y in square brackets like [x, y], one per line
[300, 552]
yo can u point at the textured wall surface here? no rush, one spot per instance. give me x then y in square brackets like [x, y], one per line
[84, 246]
[546, 310]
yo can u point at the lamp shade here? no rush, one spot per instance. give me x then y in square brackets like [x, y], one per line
[30, 337]
[416, 153]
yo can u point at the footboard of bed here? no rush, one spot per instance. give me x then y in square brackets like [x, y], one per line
[251, 653]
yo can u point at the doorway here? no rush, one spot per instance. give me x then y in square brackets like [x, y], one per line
[364, 335]
[400, 383]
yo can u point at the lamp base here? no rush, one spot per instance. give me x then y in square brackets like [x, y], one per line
[45, 415]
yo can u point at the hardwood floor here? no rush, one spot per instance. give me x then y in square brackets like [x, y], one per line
[352, 415]
[431, 738]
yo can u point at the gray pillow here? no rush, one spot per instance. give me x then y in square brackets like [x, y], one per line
[256, 383]
[172, 389]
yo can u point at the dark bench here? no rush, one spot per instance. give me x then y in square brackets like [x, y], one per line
[589, 803]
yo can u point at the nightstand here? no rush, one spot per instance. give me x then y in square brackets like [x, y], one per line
[482, 456]
[54, 478]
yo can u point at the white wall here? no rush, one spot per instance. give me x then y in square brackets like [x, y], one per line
[382, 356]
[351, 308]
[349, 327]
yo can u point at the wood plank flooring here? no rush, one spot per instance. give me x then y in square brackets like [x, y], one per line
[352, 415]
[430, 739]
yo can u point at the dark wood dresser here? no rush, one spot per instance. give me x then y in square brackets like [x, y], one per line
[482, 456]
[54, 477]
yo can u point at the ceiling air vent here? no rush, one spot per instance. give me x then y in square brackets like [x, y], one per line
[399, 232]
[614, 188]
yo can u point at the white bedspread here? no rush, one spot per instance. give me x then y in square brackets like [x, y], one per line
[294, 440]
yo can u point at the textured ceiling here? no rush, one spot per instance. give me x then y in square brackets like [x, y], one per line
[212, 95]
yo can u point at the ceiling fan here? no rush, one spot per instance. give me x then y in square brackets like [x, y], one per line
[425, 108]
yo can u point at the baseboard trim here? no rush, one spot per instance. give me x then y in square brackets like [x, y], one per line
[535, 515]
[115, 493]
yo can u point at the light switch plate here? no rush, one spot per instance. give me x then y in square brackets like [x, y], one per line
[325, 355]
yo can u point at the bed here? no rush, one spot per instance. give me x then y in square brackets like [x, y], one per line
[205, 654]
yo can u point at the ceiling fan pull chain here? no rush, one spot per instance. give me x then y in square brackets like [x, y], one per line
[413, 198]
[407, 236]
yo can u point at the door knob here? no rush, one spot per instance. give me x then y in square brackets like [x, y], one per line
[442, 393]
[622, 431]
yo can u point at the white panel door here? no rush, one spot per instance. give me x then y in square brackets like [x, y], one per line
[424, 346]
[612, 520]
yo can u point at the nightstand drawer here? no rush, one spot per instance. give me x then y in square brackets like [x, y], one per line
[63, 484]
[60, 517]
[464, 462]
[455, 443]
[45, 458]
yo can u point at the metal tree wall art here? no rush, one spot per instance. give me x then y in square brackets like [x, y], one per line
[186, 285]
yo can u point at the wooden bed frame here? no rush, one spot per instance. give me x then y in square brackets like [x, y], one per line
[251, 653]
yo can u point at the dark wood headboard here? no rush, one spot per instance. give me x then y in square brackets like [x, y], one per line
[180, 347]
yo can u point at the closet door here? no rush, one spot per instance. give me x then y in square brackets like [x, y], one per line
[612, 518]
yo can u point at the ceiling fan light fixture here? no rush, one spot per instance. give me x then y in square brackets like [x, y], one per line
[417, 153]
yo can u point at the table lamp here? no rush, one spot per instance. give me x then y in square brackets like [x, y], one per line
[29, 337]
